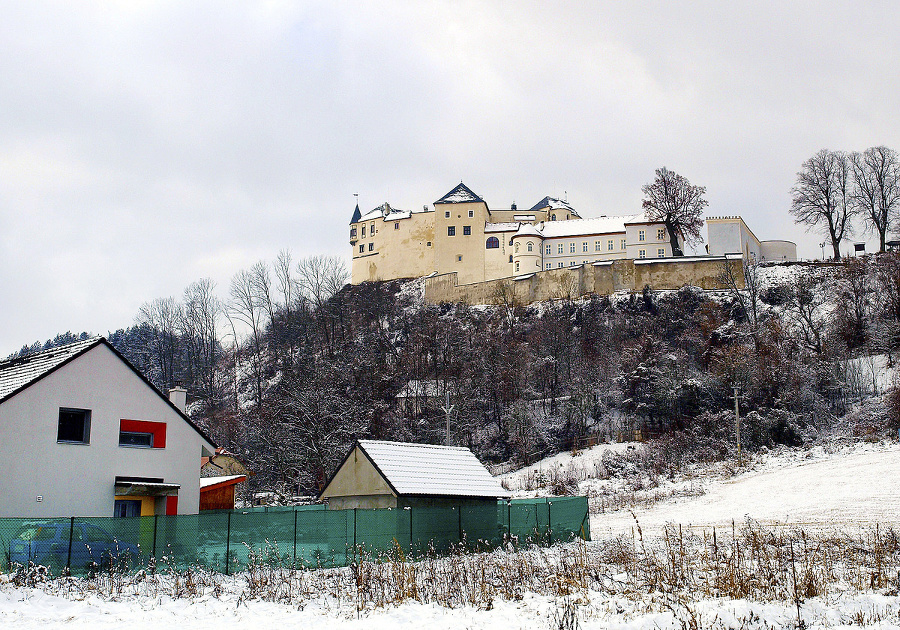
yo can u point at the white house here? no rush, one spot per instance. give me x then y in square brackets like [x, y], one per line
[83, 433]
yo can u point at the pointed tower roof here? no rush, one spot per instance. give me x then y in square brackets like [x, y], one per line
[460, 194]
[357, 215]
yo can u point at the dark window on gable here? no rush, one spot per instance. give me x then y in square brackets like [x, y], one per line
[74, 426]
[132, 438]
[467, 230]
[396, 225]
[492, 243]
[451, 230]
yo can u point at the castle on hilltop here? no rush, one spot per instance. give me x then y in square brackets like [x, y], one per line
[462, 234]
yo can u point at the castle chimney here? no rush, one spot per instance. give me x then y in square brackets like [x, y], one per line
[178, 397]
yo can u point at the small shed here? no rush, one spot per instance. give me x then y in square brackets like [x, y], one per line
[217, 493]
[379, 474]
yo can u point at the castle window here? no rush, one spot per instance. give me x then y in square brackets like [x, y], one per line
[661, 252]
[364, 231]
[353, 233]
[471, 213]
[447, 214]
[571, 248]
[459, 258]
[530, 247]
[642, 235]
[396, 225]
[467, 230]
[362, 248]
[661, 234]
[559, 248]
[510, 242]
[584, 247]
[492, 243]
[517, 266]
[517, 248]
[609, 245]
[428, 244]
[372, 230]
[451, 230]
[510, 258]
[549, 265]
[642, 253]
[622, 245]
[548, 249]
[553, 217]
[371, 245]
[597, 247]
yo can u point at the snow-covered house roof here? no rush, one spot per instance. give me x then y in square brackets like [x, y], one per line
[598, 225]
[429, 470]
[460, 194]
[16, 374]
[418, 388]
[527, 229]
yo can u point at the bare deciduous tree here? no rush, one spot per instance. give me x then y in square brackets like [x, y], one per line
[876, 194]
[822, 196]
[673, 200]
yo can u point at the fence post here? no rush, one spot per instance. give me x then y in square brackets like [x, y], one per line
[69, 555]
[295, 539]
[354, 534]
[228, 544]
[509, 519]
[155, 527]
[459, 509]
[549, 524]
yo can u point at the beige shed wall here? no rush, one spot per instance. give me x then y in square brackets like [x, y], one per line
[357, 484]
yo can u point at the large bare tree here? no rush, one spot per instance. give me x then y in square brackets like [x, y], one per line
[822, 196]
[673, 200]
[876, 194]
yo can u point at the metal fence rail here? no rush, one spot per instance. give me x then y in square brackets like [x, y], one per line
[304, 536]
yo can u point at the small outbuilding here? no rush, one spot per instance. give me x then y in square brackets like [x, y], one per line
[217, 493]
[378, 474]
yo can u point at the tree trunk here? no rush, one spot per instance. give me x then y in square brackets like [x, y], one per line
[673, 239]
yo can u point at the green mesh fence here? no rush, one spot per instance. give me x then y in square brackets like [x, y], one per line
[304, 536]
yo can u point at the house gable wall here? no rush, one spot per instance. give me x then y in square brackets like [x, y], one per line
[358, 484]
[79, 479]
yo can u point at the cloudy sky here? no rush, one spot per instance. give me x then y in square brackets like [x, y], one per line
[146, 145]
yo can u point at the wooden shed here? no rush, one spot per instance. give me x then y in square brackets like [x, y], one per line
[217, 493]
[378, 474]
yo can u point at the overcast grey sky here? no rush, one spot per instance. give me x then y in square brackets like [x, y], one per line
[146, 145]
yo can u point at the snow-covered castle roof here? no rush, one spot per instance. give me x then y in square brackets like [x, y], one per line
[460, 194]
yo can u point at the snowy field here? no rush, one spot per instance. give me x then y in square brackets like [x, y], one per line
[841, 488]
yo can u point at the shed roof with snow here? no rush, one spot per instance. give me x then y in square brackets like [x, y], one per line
[376, 473]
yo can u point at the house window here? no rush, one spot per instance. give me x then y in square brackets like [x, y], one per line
[471, 213]
[74, 426]
[353, 233]
[609, 245]
[642, 253]
[371, 246]
[597, 247]
[451, 230]
[517, 266]
[642, 235]
[572, 263]
[571, 248]
[548, 250]
[559, 248]
[142, 434]
[530, 246]
[559, 265]
[467, 230]
[362, 248]
[661, 252]
[584, 247]
[396, 225]
[364, 231]
[622, 244]
[492, 243]
[446, 214]
[549, 265]
[661, 234]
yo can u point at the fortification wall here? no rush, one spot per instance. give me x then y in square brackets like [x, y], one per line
[572, 282]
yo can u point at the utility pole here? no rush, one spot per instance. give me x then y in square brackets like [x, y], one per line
[737, 423]
[448, 409]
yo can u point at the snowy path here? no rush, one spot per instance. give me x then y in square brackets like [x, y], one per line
[842, 490]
